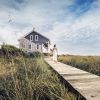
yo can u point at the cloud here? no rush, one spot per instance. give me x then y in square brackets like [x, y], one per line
[79, 35]
[72, 24]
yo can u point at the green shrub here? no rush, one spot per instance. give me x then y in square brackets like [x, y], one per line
[35, 54]
[10, 50]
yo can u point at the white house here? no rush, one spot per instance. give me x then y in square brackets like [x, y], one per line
[34, 42]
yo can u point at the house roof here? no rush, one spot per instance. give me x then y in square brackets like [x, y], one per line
[33, 33]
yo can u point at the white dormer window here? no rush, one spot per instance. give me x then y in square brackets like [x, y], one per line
[36, 37]
[31, 37]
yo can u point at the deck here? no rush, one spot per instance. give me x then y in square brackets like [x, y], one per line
[87, 84]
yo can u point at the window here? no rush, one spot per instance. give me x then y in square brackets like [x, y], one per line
[24, 46]
[30, 46]
[37, 47]
[36, 37]
[31, 37]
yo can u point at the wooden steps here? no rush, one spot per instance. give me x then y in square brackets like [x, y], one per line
[84, 82]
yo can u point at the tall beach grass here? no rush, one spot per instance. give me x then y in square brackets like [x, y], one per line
[30, 78]
[87, 63]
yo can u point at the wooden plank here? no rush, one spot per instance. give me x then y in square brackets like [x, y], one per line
[84, 82]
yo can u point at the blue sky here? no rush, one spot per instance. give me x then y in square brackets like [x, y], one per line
[74, 25]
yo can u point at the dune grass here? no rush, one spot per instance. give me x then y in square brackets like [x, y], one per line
[87, 63]
[30, 78]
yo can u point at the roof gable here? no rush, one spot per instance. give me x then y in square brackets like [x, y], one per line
[41, 39]
[34, 32]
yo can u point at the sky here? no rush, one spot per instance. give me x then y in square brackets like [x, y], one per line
[73, 25]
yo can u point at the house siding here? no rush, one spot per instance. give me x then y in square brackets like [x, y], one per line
[27, 43]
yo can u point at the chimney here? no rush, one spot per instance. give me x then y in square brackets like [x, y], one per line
[33, 28]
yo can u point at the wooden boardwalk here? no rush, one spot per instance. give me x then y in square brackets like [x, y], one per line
[85, 83]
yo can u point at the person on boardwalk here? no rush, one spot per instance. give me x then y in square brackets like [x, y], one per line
[55, 53]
